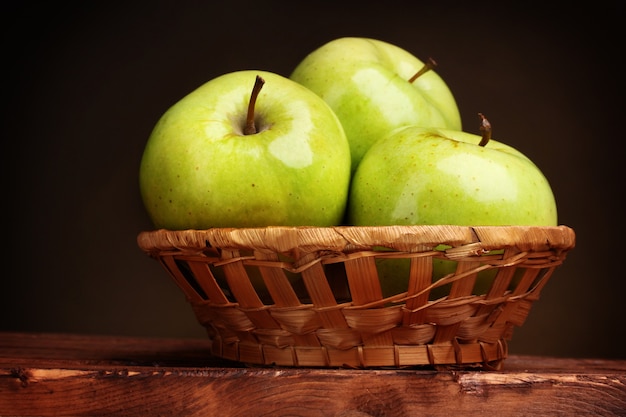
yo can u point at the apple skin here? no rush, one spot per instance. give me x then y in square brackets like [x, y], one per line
[199, 170]
[439, 176]
[366, 82]
[394, 277]
[418, 175]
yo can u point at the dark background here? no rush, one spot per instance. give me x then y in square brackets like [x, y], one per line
[83, 87]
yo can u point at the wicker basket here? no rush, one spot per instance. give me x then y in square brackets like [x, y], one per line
[362, 297]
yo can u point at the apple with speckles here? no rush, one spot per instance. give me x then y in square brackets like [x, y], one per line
[246, 149]
[431, 176]
[374, 87]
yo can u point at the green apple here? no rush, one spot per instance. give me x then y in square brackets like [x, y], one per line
[374, 87]
[394, 277]
[233, 154]
[418, 175]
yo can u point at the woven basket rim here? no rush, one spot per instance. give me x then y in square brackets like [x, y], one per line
[338, 238]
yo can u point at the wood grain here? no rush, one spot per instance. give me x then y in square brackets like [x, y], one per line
[62, 375]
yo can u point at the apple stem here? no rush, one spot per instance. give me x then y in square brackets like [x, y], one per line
[485, 128]
[430, 64]
[250, 128]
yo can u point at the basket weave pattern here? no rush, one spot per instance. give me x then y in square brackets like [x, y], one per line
[312, 296]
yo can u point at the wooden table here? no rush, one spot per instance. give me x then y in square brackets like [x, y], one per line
[61, 374]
